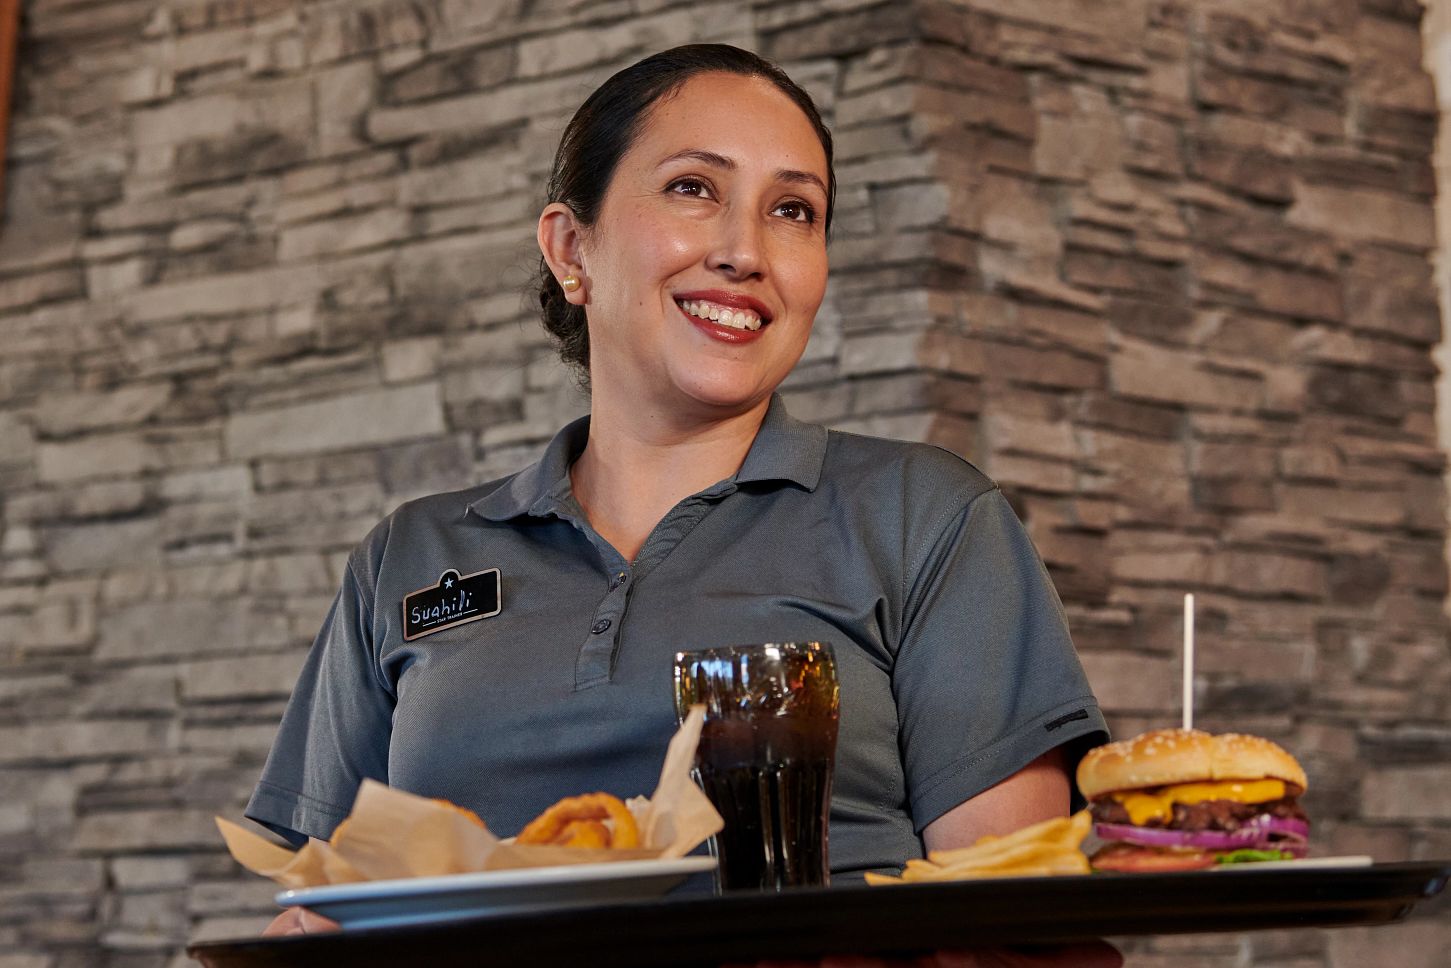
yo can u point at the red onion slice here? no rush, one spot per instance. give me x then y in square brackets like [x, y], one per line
[1263, 832]
[1160, 837]
[1291, 827]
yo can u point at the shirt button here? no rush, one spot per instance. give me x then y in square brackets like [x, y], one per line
[619, 580]
[603, 625]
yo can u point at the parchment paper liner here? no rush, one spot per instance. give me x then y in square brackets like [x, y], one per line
[391, 834]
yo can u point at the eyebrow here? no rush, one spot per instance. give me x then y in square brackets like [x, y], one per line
[721, 161]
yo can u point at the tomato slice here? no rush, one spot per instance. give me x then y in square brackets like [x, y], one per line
[1131, 859]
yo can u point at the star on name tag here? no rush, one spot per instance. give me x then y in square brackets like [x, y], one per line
[454, 600]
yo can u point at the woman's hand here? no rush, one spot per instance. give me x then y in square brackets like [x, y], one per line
[296, 920]
[1092, 954]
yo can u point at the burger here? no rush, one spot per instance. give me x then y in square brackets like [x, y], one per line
[1176, 800]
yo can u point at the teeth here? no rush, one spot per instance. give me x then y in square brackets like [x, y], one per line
[734, 318]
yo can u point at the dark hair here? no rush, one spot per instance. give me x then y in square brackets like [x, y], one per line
[605, 127]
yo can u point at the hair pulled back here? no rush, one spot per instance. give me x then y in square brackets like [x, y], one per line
[605, 127]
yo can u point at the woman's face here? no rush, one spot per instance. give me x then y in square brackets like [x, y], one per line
[717, 210]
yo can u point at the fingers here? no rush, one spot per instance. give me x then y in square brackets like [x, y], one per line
[1095, 954]
[1089, 954]
[316, 923]
[962, 959]
[941, 959]
[288, 922]
[851, 961]
[298, 920]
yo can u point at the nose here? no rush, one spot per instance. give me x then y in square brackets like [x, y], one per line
[738, 251]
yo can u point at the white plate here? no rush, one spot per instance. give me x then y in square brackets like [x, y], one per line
[1356, 860]
[425, 900]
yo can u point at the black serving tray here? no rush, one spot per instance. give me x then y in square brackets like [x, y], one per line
[693, 932]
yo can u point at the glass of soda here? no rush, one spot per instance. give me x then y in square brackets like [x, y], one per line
[765, 757]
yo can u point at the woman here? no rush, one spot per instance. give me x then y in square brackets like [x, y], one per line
[684, 259]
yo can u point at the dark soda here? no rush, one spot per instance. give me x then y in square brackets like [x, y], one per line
[765, 757]
[771, 781]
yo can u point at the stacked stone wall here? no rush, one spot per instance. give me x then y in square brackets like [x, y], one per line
[1161, 268]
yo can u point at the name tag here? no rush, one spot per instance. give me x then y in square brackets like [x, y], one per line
[455, 600]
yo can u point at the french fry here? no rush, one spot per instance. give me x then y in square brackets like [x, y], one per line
[1018, 856]
[1040, 850]
[1067, 831]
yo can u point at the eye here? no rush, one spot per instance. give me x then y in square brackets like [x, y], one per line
[798, 212]
[690, 187]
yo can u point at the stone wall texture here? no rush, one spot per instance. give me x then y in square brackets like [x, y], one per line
[1158, 266]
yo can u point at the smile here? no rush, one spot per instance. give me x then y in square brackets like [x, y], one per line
[724, 315]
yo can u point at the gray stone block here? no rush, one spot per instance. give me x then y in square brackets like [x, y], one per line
[250, 895]
[210, 483]
[62, 875]
[320, 239]
[342, 423]
[511, 102]
[148, 872]
[250, 677]
[152, 630]
[237, 292]
[282, 105]
[94, 456]
[53, 285]
[152, 923]
[145, 691]
[64, 617]
[126, 831]
[67, 742]
[24, 960]
[100, 546]
[309, 201]
[237, 743]
[68, 413]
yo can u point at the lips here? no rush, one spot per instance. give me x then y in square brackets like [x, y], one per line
[728, 309]
[725, 316]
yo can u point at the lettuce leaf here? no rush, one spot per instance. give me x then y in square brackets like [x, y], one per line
[1250, 856]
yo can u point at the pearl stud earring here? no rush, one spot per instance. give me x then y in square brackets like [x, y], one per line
[570, 283]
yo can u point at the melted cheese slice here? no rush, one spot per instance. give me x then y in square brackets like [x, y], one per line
[1144, 806]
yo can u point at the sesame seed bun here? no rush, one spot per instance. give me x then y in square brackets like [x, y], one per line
[1162, 757]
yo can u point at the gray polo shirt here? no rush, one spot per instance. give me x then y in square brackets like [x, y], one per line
[955, 662]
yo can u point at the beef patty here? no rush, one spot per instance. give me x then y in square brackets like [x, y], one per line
[1227, 815]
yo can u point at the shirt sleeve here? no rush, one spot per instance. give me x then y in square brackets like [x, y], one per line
[986, 678]
[335, 730]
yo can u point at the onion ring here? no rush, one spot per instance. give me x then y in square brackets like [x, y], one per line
[584, 833]
[578, 822]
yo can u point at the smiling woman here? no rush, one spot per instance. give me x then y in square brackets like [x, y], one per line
[609, 123]
[684, 258]
[713, 205]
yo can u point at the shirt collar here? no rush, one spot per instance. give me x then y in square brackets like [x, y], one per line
[785, 449]
[541, 486]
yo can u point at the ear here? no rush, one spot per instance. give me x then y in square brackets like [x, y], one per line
[560, 237]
